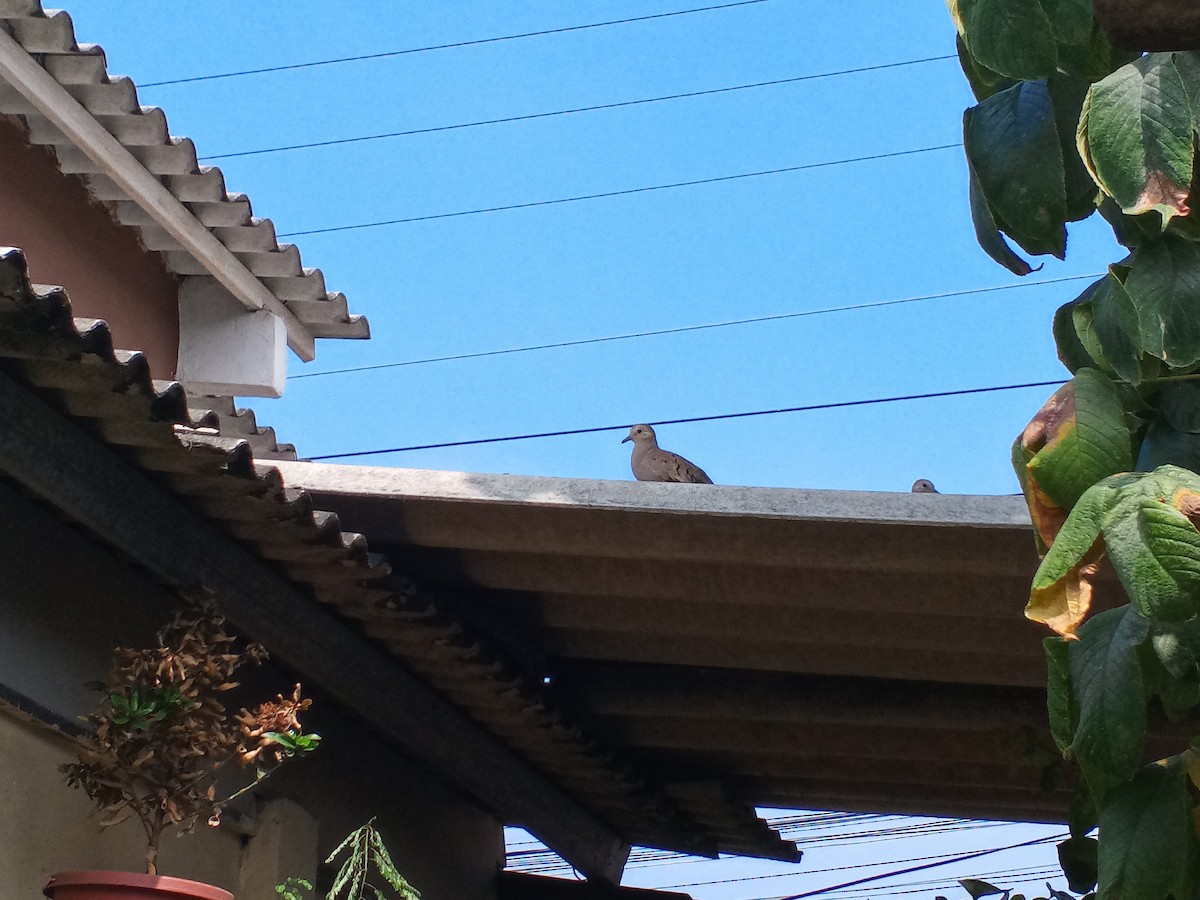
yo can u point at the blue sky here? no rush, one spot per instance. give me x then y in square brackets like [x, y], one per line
[824, 237]
[833, 236]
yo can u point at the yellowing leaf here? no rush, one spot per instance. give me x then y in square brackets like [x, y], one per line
[1064, 604]
[1077, 438]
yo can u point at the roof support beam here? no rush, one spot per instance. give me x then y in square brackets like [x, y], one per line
[87, 481]
[67, 114]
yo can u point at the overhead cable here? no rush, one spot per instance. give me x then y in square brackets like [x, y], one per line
[682, 329]
[564, 112]
[843, 404]
[930, 865]
[805, 872]
[492, 40]
[639, 190]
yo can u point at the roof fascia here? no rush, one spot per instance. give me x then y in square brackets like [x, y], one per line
[720, 500]
[53, 101]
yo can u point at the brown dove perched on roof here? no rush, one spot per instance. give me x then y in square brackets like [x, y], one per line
[924, 486]
[650, 463]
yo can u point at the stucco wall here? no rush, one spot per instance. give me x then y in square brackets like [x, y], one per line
[64, 603]
[73, 241]
[47, 828]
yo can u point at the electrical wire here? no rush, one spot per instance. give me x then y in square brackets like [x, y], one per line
[920, 868]
[924, 887]
[639, 190]
[682, 329]
[578, 109]
[492, 40]
[843, 404]
[806, 872]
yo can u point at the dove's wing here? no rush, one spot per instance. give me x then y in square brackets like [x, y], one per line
[656, 464]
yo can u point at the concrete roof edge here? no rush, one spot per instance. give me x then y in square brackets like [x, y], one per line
[697, 499]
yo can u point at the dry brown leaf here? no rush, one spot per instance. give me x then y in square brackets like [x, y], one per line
[1064, 605]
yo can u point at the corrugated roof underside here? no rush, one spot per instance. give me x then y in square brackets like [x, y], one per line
[72, 365]
[858, 666]
[49, 37]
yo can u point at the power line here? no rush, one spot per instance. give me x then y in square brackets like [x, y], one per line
[1041, 873]
[578, 109]
[491, 40]
[806, 872]
[741, 415]
[931, 865]
[682, 329]
[626, 192]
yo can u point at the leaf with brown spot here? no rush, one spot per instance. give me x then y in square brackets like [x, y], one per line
[1146, 522]
[1136, 136]
[1162, 193]
[1078, 437]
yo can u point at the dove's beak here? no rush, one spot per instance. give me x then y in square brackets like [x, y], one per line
[627, 439]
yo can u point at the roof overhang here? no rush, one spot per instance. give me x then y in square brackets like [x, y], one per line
[224, 256]
[811, 649]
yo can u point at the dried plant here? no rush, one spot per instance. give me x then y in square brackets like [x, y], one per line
[162, 732]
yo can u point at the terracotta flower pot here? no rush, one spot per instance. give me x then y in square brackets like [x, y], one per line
[97, 885]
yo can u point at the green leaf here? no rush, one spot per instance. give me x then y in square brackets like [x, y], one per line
[987, 233]
[1117, 328]
[1188, 64]
[1084, 320]
[1179, 696]
[1177, 646]
[1071, 350]
[1112, 701]
[1060, 698]
[1067, 95]
[1149, 841]
[1179, 404]
[1079, 860]
[1012, 142]
[1082, 816]
[1163, 446]
[1164, 286]
[983, 81]
[1135, 133]
[1130, 231]
[1012, 37]
[1070, 20]
[1154, 547]
[1090, 439]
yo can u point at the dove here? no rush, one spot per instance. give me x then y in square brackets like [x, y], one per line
[650, 463]
[924, 486]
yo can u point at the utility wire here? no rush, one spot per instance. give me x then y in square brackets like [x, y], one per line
[741, 415]
[842, 868]
[578, 109]
[626, 192]
[491, 40]
[931, 865]
[1042, 873]
[682, 329]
